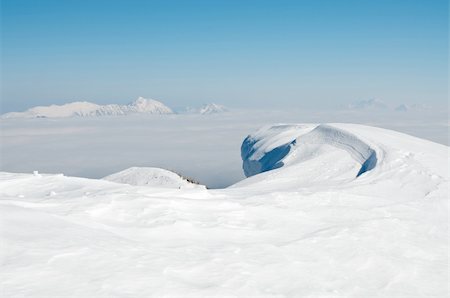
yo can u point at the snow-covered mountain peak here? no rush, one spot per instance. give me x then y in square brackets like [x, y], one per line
[140, 102]
[212, 108]
[206, 109]
[144, 105]
[143, 102]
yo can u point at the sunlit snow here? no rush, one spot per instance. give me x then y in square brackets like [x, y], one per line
[314, 226]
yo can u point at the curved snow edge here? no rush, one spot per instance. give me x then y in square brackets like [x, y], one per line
[362, 152]
[269, 161]
[359, 150]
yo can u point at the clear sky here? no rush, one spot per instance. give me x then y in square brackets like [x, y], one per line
[311, 53]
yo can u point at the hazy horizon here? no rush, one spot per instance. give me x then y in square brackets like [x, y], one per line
[203, 147]
[339, 107]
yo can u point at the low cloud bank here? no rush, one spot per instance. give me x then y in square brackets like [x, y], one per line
[204, 148]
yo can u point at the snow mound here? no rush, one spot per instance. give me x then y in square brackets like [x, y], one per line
[266, 149]
[271, 147]
[87, 109]
[152, 177]
[329, 135]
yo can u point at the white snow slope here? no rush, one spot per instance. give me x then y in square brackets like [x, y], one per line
[315, 226]
[87, 109]
[152, 177]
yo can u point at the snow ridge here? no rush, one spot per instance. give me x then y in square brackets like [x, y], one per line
[359, 150]
[265, 149]
[88, 109]
[258, 158]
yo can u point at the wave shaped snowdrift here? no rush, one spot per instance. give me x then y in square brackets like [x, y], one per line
[260, 155]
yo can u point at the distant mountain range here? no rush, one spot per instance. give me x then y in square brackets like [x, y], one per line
[206, 109]
[375, 104]
[88, 109]
[412, 107]
[372, 103]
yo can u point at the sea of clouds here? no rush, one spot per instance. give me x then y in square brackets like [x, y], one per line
[204, 147]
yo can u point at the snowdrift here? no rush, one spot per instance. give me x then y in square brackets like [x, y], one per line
[152, 177]
[263, 152]
[340, 210]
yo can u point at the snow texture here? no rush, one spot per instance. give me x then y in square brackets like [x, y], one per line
[269, 155]
[309, 228]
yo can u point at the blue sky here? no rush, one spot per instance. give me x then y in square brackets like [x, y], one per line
[306, 54]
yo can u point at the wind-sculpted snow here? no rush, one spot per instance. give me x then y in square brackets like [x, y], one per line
[308, 228]
[269, 161]
[262, 152]
[265, 149]
[152, 177]
[358, 149]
